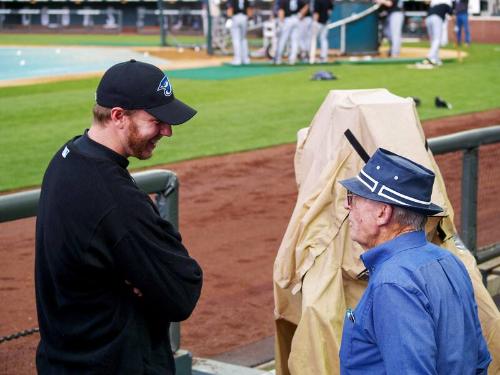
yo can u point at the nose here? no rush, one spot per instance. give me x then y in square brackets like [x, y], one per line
[166, 130]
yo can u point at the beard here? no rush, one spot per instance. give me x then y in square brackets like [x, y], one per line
[140, 147]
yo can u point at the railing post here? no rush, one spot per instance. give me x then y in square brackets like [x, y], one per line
[161, 21]
[342, 39]
[164, 183]
[120, 21]
[210, 49]
[468, 218]
[168, 206]
[168, 200]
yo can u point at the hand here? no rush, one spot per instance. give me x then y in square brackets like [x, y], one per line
[229, 23]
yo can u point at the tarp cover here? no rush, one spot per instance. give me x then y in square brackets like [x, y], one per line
[316, 266]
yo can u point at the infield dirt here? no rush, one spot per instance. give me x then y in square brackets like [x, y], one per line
[234, 210]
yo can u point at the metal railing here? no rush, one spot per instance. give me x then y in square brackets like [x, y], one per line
[163, 183]
[469, 141]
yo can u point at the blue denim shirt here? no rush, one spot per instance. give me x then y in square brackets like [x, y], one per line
[417, 316]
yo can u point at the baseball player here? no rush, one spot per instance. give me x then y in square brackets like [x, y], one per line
[238, 12]
[438, 11]
[306, 32]
[290, 12]
[393, 25]
[321, 15]
[110, 273]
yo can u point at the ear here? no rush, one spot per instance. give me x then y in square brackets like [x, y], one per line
[384, 214]
[118, 117]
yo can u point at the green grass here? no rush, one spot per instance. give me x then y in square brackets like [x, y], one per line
[234, 115]
[126, 40]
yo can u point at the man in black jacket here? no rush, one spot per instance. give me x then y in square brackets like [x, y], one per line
[110, 273]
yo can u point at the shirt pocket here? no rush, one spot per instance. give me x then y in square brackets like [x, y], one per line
[346, 347]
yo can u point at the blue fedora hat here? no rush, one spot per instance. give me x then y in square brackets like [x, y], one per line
[393, 179]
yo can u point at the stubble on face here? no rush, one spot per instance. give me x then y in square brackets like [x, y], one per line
[140, 147]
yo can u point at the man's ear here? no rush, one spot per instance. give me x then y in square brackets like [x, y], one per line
[118, 117]
[384, 214]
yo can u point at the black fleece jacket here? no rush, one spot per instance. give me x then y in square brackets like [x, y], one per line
[98, 236]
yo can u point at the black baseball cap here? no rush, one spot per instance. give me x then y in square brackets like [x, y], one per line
[138, 85]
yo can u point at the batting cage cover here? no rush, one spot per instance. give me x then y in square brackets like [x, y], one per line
[316, 268]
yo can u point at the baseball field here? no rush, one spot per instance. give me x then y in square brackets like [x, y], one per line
[235, 166]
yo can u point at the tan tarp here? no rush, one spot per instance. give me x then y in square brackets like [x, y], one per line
[316, 267]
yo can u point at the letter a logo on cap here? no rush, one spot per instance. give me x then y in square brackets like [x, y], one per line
[165, 86]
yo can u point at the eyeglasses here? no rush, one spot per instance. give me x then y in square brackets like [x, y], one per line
[350, 195]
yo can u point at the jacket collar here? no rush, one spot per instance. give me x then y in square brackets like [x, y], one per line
[89, 147]
[379, 254]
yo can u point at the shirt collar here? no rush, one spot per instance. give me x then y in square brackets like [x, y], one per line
[379, 254]
[91, 148]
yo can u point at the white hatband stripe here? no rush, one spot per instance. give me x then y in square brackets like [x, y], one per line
[383, 187]
[375, 182]
[407, 197]
[391, 198]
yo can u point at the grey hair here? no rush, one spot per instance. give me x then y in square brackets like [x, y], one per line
[409, 218]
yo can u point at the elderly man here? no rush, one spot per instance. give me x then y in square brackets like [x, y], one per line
[418, 314]
[110, 273]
